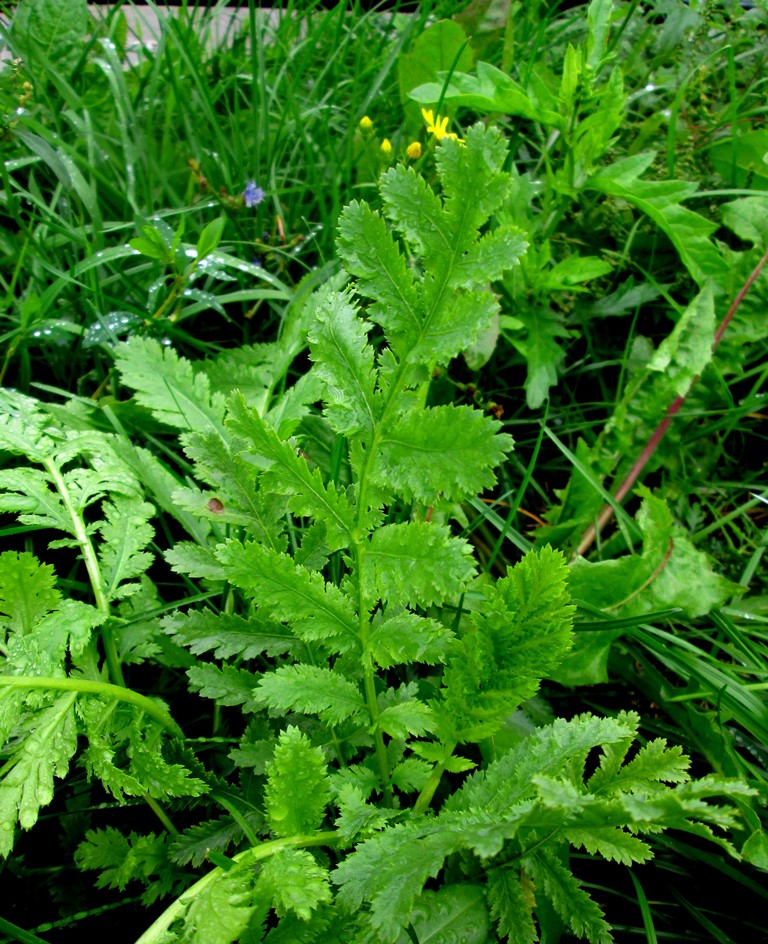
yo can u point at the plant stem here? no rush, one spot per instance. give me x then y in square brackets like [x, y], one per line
[425, 797]
[634, 473]
[94, 571]
[89, 687]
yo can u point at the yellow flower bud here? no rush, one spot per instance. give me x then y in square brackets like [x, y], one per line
[386, 147]
[366, 125]
[414, 150]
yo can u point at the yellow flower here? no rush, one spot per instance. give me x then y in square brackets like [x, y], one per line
[414, 150]
[438, 126]
[386, 147]
[366, 125]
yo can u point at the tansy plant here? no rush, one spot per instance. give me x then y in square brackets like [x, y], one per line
[344, 621]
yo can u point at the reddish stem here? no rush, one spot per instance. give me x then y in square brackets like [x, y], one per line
[634, 473]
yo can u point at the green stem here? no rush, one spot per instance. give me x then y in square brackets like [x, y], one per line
[89, 687]
[94, 571]
[156, 931]
[160, 814]
[425, 797]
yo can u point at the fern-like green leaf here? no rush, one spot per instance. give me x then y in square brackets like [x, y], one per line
[417, 563]
[371, 254]
[234, 490]
[125, 533]
[401, 637]
[227, 686]
[222, 911]
[570, 901]
[344, 361]
[287, 473]
[298, 789]
[511, 902]
[442, 452]
[295, 882]
[45, 747]
[405, 719]
[417, 212]
[168, 385]
[312, 690]
[523, 633]
[27, 591]
[195, 561]
[611, 843]
[227, 635]
[356, 817]
[316, 609]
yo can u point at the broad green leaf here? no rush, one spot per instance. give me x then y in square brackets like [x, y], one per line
[684, 354]
[287, 473]
[670, 571]
[295, 882]
[748, 218]
[440, 47]
[227, 635]
[653, 388]
[312, 690]
[740, 159]
[344, 361]
[573, 271]
[210, 237]
[416, 563]
[168, 385]
[49, 35]
[489, 91]
[587, 662]
[318, 611]
[443, 452]
[660, 201]
[297, 790]
[543, 353]
[599, 23]
[150, 249]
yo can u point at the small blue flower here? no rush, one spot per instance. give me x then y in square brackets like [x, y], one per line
[252, 194]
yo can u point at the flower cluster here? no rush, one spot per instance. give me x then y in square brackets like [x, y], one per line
[436, 126]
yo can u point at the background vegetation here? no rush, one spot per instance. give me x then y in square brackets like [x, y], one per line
[637, 181]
